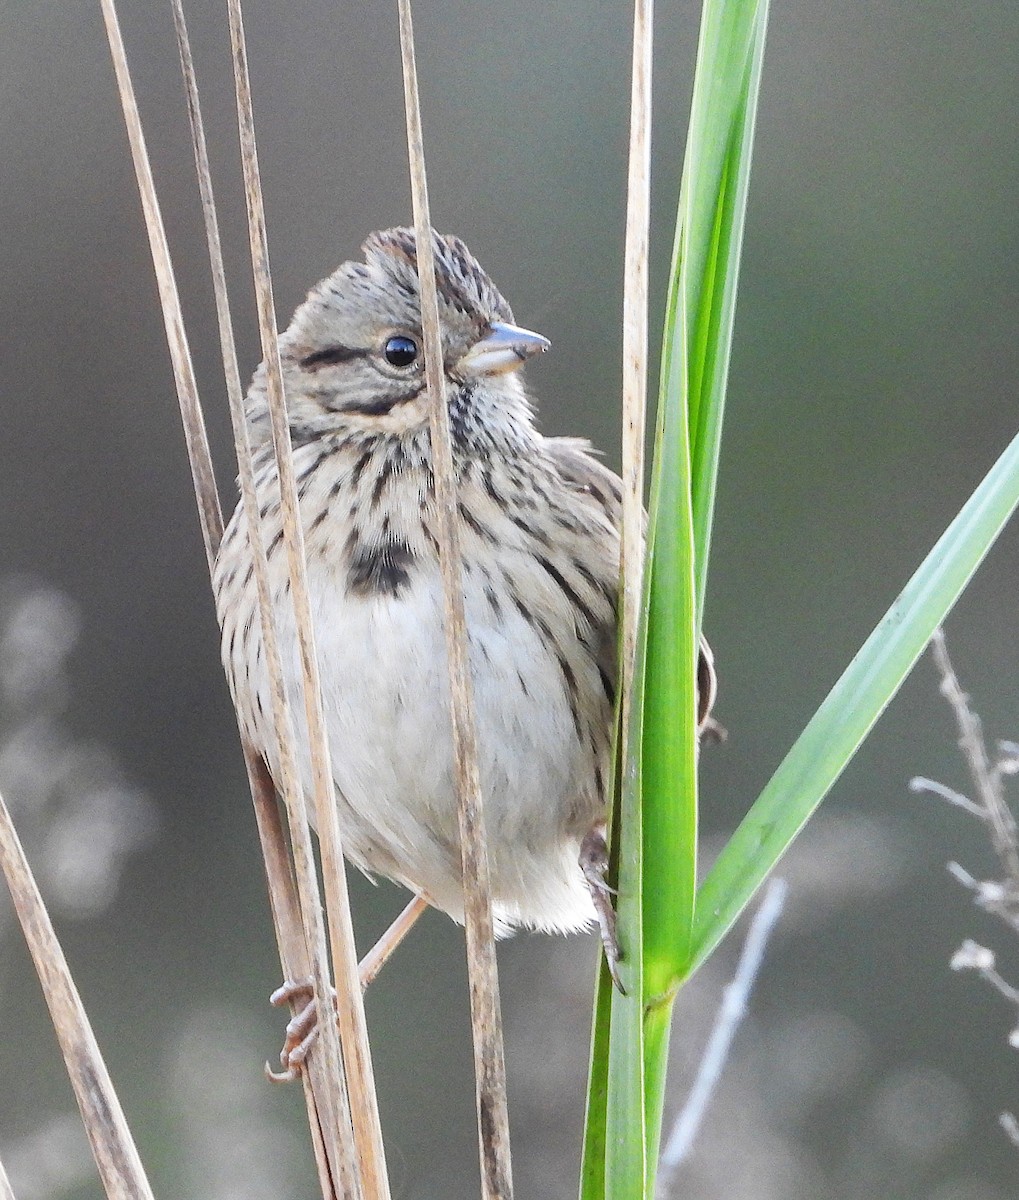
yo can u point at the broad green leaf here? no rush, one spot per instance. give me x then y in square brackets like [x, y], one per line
[823, 750]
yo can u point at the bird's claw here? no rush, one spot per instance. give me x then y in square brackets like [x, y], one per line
[302, 1028]
[594, 863]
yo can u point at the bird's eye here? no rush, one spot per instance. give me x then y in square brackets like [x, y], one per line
[400, 351]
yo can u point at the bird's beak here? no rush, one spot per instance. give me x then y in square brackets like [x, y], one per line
[504, 348]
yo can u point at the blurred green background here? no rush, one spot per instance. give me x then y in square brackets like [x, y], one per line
[873, 382]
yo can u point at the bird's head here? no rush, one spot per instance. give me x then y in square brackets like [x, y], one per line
[353, 355]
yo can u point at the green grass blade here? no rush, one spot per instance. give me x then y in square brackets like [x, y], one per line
[625, 1161]
[666, 707]
[695, 361]
[592, 1168]
[657, 1028]
[655, 847]
[829, 741]
[709, 235]
[626, 1165]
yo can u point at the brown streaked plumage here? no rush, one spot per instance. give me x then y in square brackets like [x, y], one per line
[541, 560]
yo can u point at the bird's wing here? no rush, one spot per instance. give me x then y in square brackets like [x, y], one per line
[576, 463]
[574, 458]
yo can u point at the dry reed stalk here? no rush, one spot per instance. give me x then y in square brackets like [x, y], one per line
[324, 1092]
[328, 1113]
[113, 1148]
[486, 1017]
[323, 1086]
[635, 341]
[350, 1003]
[6, 1191]
[209, 511]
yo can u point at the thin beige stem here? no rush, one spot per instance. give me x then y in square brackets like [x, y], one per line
[350, 1005]
[193, 421]
[6, 1191]
[635, 339]
[113, 1148]
[382, 951]
[486, 1017]
[325, 1095]
[323, 1083]
[209, 511]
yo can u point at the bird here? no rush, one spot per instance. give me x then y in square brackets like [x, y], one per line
[540, 541]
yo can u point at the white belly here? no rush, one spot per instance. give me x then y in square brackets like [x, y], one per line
[385, 697]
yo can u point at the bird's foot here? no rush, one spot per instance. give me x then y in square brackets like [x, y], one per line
[302, 1028]
[594, 862]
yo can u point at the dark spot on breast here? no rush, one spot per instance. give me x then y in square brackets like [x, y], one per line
[470, 519]
[572, 692]
[385, 469]
[568, 591]
[607, 684]
[355, 474]
[303, 484]
[462, 414]
[320, 516]
[382, 569]
[522, 608]
[530, 528]
[491, 488]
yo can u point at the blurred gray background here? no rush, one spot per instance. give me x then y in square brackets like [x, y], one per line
[873, 382]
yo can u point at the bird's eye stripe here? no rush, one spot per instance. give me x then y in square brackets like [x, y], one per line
[332, 355]
[379, 406]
